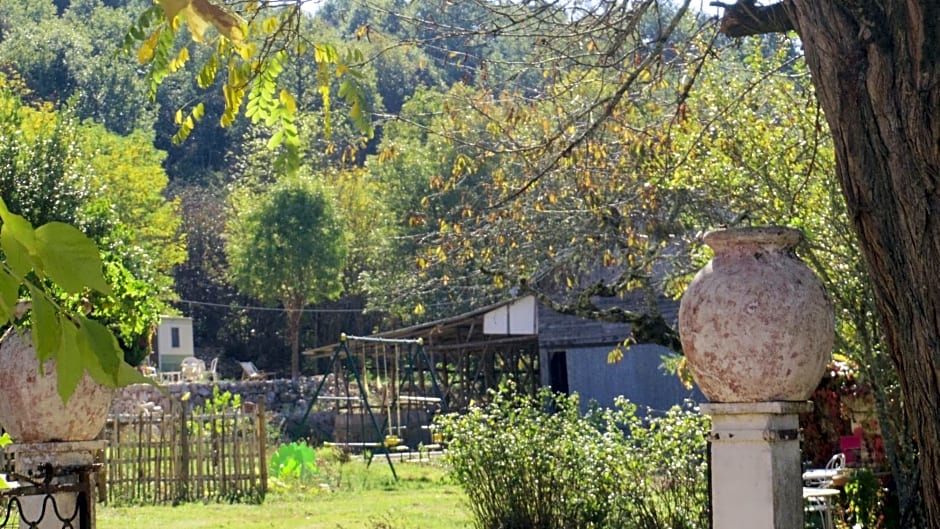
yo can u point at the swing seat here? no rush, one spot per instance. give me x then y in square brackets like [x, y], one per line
[352, 445]
[411, 398]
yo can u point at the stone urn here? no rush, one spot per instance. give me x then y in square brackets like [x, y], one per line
[32, 411]
[756, 323]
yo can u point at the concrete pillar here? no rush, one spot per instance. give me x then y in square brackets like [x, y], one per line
[755, 465]
[63, 458]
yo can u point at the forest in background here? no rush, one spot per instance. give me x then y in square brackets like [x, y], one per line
[455, 153]
[448, 203]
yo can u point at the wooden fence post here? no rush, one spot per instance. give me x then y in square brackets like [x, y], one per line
[183, 468]
[262, 449]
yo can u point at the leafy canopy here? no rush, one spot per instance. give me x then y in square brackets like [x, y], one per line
[286, 244]
[36, 259]
[251, 56]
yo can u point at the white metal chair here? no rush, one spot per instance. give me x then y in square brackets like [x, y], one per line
[814, 504]
[822, 477]
[836, 462]
[213, 374]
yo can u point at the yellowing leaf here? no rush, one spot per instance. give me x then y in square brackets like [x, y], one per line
[270, 25]
[288, 101]
[171, 8]
[614, 356]
[200, 14]
[180, 60]
[145, 52]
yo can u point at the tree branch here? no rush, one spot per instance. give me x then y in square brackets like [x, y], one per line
[743, 19]
[645, 327]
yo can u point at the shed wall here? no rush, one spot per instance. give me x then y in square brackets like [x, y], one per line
[637, 377]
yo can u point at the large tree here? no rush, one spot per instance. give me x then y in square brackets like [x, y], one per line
[287, 247]
[876, 69]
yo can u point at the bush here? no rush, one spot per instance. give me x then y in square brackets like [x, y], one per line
[293, 465]
[537, 463]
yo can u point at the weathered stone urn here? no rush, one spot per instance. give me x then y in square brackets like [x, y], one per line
[31, 409]
[756, 323]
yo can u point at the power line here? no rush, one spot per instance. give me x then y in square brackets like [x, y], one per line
[309, 311]
[268, 309]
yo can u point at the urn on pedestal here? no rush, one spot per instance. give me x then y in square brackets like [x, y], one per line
[31, 409]
[756, 324]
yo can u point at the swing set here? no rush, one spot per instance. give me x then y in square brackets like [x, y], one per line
[393, 379]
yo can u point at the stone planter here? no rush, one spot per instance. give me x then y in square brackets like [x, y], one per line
[755, 323]
[31, 409]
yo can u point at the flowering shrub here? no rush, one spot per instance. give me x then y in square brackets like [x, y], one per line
[840, 400]
[538, 463]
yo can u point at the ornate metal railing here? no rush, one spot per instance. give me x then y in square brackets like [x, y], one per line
[50, 498]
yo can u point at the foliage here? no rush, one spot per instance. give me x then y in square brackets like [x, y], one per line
[220, 409]
[864, 497]
[221, 402]
[251, 57]
[293, 463]
[287, 246]
[40, 261]
[128, 201]
[518, 189]
[54, 169]
[39, 177]
[537, 462]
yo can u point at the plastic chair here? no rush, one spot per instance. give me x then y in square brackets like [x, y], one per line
[192, 369]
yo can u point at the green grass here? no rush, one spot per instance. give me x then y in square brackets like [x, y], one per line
[344, 496]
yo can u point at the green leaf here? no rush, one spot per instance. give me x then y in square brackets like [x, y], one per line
[46, 336]
[9, 294]
[208, 72]
[276, 139]
[103, 346]
[18, 241]
[70, 258]
[17, 255]
[68, 360]
[127, 375]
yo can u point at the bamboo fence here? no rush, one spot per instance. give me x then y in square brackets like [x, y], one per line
[182, 456]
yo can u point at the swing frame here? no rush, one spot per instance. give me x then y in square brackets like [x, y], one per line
[342, 358]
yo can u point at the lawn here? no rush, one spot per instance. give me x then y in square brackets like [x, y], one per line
[344, 496]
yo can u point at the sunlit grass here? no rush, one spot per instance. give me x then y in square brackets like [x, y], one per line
[346, 495]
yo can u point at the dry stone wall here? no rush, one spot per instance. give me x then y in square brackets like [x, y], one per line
[285, 401]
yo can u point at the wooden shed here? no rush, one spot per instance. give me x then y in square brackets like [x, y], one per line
[524, 341]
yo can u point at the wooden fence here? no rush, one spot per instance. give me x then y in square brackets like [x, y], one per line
[180, 456]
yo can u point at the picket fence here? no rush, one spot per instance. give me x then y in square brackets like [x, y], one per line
[170, 457]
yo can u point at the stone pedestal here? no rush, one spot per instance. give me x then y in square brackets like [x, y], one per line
[62, 459]
[755, 465]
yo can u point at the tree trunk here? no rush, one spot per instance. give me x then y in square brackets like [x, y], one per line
[877, 78]
[293, 328]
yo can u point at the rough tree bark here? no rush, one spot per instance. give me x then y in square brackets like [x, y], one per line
[876, 69]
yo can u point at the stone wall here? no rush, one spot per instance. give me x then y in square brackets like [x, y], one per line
[286, 402]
